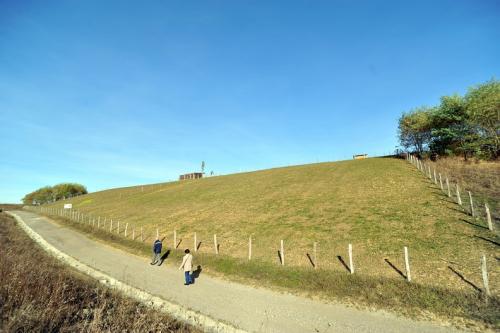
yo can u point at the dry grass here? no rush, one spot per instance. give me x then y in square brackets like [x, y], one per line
[379, 205]
[482, 178]
[38, 294]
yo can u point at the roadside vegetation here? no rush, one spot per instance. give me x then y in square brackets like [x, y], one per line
[38, 294]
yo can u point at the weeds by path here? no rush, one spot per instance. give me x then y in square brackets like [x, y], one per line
[38, 294]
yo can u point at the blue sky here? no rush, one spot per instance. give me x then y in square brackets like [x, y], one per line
[117, 93]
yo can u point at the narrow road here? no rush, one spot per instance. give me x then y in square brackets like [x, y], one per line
[251, 309]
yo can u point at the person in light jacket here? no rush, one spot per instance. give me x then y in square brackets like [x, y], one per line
[156, 252]
[187, 264]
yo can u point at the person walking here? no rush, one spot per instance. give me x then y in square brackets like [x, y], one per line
[156, 252]
[187, 264]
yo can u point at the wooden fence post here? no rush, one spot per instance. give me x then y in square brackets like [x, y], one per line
[448, 187]
[435, 178]
[484, 272]
[471, 205]
[407, 265]
[351, 265]
[98, 222]
[133, 234]
[118, 228]
[126, 227]
[488, 217]
[315, 256]
[111, 225]
[250, 248]
[459, 199]
[441, 182]
[215, 244]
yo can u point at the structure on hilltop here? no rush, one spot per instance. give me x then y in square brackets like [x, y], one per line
[360, 156]
[193, 175]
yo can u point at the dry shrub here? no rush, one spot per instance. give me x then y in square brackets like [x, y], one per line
[37, 293]
[482, 178]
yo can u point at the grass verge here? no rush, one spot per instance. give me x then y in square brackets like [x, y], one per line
[461, 308]
[39, 294]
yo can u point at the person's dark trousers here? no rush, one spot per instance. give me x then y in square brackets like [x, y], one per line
[156, 258]
[187, 276]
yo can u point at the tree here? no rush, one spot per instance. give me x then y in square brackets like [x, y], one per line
[49, 194]
[202, 166]
[451, 132]
[483, 110]
[415, 129]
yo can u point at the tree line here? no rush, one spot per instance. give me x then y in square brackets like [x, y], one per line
[52, 193]
[467, 126]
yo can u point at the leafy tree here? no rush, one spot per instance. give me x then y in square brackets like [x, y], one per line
[483, 110]
[415, 129]
[68, 190]
[451, 132]
[49, 194]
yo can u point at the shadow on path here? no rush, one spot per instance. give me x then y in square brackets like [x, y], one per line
[164, 257]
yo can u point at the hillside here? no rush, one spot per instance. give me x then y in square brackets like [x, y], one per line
[378, 205]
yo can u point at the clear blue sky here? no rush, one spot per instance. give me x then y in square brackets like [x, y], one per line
[116, 93]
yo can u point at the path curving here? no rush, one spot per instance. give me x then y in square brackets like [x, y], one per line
[248, 308]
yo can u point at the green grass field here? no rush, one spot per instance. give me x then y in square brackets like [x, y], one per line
[379, 205]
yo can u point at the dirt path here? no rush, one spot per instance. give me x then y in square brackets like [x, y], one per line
[251, 309]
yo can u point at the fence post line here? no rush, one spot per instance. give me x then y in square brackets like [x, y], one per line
[126, 227]
[111, 225]
[195, 245]
[215, 244]
[250, 248]
[315, 256]
[282, 252]
[133, 234]
[459, 199]
[407, 265]
[471, 205]
[441, 182]
[118, 229]
[351, 265]
[435, 178]
[484, 272]
[448, 187]
[488, 217]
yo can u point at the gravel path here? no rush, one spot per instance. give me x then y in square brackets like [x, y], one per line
[251, 309]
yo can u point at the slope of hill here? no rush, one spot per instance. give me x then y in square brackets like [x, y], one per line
[378, 205]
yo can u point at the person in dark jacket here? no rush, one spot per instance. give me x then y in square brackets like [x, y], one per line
[156, 252]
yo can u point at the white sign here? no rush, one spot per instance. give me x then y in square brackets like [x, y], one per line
[68, 206]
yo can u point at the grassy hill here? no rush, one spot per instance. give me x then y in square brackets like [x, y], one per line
[379, 205]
